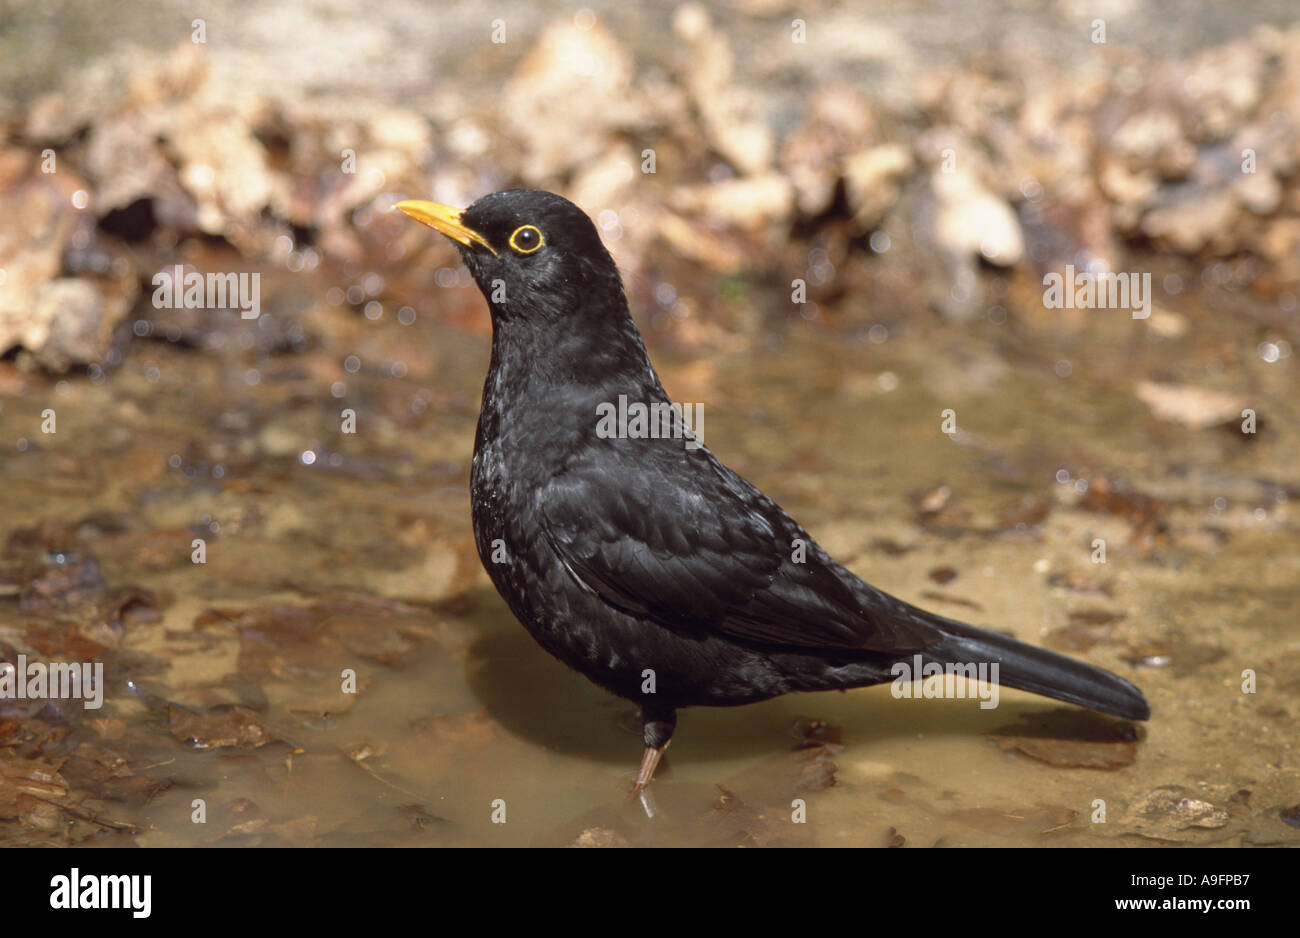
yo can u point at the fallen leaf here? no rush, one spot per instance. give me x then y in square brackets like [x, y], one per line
[238, 727]
[1071, 739]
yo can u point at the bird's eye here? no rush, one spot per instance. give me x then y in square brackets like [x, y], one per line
[526, 239]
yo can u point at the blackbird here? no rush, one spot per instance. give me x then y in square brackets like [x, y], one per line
[636, 557]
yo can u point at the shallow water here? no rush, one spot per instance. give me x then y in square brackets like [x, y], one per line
[359, 556]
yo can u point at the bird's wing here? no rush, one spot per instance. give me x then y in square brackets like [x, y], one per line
[675, 537]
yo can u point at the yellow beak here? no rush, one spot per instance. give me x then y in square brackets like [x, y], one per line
[445, 219]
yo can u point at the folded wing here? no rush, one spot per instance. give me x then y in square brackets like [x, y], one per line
[693, 547]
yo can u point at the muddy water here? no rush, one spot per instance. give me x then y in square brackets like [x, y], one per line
[330, 553]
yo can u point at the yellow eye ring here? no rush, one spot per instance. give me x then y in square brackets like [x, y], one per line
[527, 239]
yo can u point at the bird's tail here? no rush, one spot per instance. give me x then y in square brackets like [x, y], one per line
[1037, 670]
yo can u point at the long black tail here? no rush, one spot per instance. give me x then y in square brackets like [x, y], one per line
[1026, 667]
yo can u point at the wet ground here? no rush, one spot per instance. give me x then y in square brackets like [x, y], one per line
[328, 551]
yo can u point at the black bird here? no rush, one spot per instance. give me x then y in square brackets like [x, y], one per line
[642, 561]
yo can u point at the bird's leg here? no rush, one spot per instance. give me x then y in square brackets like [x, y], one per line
[649, 762]
[657, 725]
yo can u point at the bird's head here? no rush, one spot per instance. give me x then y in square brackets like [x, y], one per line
[536, 256]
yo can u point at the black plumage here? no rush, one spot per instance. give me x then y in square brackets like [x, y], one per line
[628, 555]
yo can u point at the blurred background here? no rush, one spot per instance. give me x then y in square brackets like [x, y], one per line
[834, 222]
